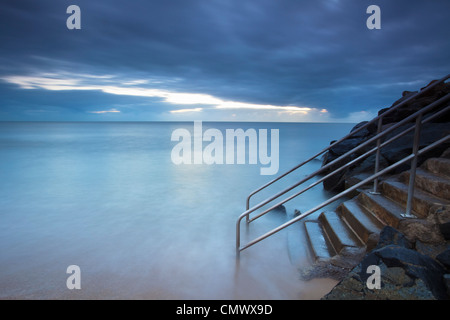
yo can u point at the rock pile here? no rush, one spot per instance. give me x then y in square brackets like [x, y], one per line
[397, 150]
[408, 271]
[413, 259]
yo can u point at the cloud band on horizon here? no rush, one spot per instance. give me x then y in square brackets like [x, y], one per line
[112, 85]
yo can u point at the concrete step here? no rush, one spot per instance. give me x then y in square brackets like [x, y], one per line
[430, 182]
[439, 166]
[360, 220]
[384, 209]
[355, 179]
[422, 202]
[321, 248]
[339, 234]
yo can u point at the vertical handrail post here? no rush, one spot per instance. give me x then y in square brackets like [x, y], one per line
[247, 207]
[238, 238]
[412, 173]
[377, 157]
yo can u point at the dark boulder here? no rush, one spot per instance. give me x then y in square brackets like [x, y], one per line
[336, 182]
[405, 273]
[281, 209]
[365, 132]
[443, 219]
[416, 266]
[416, 104]
[444, 228]
[444, 259]
[447, 283]
[391, 236]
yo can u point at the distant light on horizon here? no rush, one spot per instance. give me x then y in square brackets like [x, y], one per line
[186, 110]
[105, 111]
[110, 84]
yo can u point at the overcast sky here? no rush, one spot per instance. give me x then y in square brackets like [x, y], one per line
[243, 60]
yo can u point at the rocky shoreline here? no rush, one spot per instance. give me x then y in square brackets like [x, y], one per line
[397, 150]
[408, 271]
[413, 259]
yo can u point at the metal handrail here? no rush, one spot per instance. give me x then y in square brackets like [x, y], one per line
[356, 160]
[375, 120]
[340, 195]
[418, 116]
[352, 151]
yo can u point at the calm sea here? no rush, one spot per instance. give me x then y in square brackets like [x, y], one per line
[107, 198]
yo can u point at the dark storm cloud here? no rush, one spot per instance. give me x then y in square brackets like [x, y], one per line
[280, 52]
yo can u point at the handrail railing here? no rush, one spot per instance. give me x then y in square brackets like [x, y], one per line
[376, 119]
[357, 148]
[417, 116]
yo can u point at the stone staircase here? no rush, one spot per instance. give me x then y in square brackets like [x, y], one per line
[354, 227]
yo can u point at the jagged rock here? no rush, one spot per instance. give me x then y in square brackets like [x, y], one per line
[416, 265]
[280, 209]
[345, 146]
[368, 165]
[407, 109]
[396, 284]
[447, 283]
[402, 147]
[372, 241]
[431, 250]
[444, 259]
[391, 236]
[443, 220]
[445, 230]
[405, 273]
[425, 230]
[442, 214]
[446, 154]
[366, 132]
[336, 182]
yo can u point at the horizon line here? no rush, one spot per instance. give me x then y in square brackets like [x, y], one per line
[174, 121]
